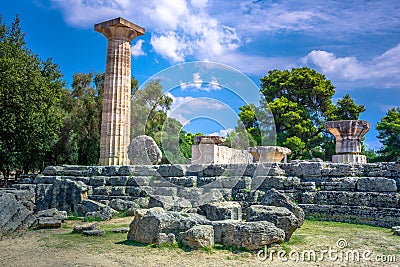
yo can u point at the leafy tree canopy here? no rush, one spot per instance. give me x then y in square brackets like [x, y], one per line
[30, 90]
[389, 134]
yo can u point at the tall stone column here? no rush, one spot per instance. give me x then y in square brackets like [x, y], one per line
[115, 124]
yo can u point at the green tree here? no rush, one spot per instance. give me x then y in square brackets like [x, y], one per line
[346, 109]
[148, 109]
[301, 102]
[82, 109]
[389, 135]
[30, 90]
[149, 117]
[247, 116]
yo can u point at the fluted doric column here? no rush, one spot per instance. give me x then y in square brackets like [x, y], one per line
[115, 124]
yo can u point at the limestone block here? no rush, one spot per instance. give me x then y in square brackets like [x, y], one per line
[340, 184]
[228, 210]
[383, 217]
[41, 179]
[93, 232]
[169, 203]
[48, 222]
[149, 223]
[98, 181]
[122, 205]
[376, 184]
[177, 170]
[187, 181]
[144, 150]
[135, 191]
[118, 180]
[250, 235]
[274, 198]
[118, 190]
[279, 216]
[198, 236]
[102, 190]
[13, 215]
[369, 199]
[79, 228]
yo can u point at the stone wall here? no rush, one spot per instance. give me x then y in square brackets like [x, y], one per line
[362, 193]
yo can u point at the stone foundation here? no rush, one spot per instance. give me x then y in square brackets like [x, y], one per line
[361, 193]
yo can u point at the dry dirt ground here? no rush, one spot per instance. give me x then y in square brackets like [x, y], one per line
[60, 247]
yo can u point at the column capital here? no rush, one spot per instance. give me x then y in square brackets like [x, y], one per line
[119, 28]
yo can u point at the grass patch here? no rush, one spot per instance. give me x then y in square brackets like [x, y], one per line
[209, 250]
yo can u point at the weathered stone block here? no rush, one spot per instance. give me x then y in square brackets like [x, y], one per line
[279, 216]
[79, 228]
[102, 190]
[376, 184]
[369, 199]
[49, 222]
[98, 181]
[149, 223]
[143, 150]
[176, 170]
[198, 236]
[135, 191]
[118, 190]
[13, 215]
[43, 196]
[229, 210]
[275, 198]
[187, 181]
[340, 184]
[169, 203]
[250, 235]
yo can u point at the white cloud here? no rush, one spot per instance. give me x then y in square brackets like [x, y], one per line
[345, 67]
[383, 70]
[197, 84]
[137, 49]
[222, 132]
[171, 46]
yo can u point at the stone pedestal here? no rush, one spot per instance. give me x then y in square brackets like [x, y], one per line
[348, 135]
[269, 153]
[115, 125]
[206, 150]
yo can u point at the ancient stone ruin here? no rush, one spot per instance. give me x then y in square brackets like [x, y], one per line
[348, 135]
[210, 150]
[221, 196]
[241, 198]
[115, 125]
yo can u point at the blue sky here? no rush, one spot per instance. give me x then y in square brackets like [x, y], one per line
[355, 43]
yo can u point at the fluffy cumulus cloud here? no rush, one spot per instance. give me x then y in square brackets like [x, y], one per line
[216, 30]
[383, 69]
[137, 49]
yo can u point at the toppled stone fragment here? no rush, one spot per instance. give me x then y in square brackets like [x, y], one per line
[79, 228]
[198, 236]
